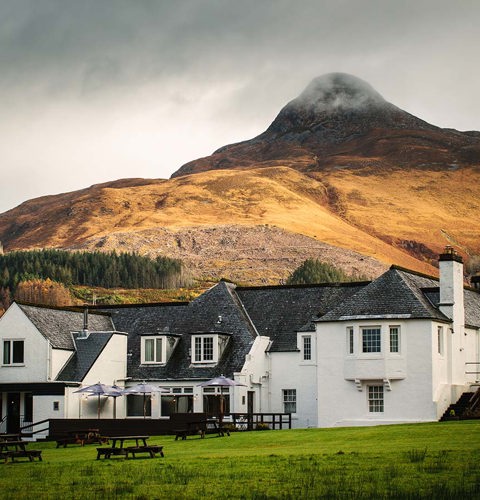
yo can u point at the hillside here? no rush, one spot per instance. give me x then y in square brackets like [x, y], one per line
[340, 175]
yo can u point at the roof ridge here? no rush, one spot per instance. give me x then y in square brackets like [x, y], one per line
[411, 271]
[306, 285]
[75, 309]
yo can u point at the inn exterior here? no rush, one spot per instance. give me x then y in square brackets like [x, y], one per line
[401, 348]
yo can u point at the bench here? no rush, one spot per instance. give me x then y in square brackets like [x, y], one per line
[152, 450]
[181, 433]
[30, 454]
[108, 452]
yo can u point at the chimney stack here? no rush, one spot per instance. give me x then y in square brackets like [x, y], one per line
[451, 283]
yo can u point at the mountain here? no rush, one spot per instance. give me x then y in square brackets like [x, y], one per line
[340, 175]
[340, 121]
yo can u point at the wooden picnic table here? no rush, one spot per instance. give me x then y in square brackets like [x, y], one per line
[202, 427]
[81, 437]
[16, 449]
[140, 447]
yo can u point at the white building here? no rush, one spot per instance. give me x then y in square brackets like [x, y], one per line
[401, 348]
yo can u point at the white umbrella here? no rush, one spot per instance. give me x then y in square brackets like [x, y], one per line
[220, 382]
[144, 389]
[100, 390]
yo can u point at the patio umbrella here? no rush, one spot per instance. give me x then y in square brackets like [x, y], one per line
[99, 390]
[220, 382]
[144, 389]
[114, 393]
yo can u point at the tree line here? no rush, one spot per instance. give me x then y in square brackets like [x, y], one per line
[96, 269]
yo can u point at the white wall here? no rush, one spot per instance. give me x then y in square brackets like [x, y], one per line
[110, 366]
[58, 359]
[343, 379]
[255, 375]
[15, 325]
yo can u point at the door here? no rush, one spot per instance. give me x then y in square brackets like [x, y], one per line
[13, 412]
[250, 400]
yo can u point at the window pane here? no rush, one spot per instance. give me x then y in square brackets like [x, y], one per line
[394, 339]
[158, 358]
[17, 351]
[198, 349]
[307, 348]
[350, 339]
[208, 349]
[371, 340]
[289, 400]
[149, 345]
[375, 398]
[440, 340]
[135, 405]
[6, 352]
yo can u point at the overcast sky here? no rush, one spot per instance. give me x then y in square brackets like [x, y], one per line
[98, 90]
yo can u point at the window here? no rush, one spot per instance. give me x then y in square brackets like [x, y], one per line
[13, 352]
[203, 349]
[289, 400]
[375, 398]
[440, 340]
[139, 406]
[307, 348]
[394, 339]
[56, 406]
[152, 350]
[176, 404]
[350, 340]
[371, 340]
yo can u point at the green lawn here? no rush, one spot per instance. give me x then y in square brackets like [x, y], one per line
[437, 461]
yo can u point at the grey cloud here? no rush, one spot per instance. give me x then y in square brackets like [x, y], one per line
[164, 79]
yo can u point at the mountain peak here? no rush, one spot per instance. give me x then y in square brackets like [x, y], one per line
[339, 91]
[341, 121]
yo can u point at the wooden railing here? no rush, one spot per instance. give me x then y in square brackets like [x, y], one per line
[254, 421]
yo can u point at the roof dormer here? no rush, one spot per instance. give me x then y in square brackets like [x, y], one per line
[207, 348]
[156, 349]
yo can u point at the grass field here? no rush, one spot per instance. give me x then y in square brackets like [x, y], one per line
[435, 461]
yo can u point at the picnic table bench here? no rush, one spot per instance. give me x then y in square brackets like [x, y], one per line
[141, 446]
[81, 437]
[17, 449]
[201, 427]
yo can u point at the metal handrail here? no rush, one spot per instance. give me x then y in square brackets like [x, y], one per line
[34, 424]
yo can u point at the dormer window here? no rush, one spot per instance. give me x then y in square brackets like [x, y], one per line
[156, 349]
[208, 348]
[203, 349]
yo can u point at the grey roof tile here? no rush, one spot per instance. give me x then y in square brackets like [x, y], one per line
[57, 324]
[280, 311]
[87, 351]
[199, 316]
[396, 293]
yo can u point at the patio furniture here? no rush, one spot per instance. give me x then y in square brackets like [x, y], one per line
[140, 447]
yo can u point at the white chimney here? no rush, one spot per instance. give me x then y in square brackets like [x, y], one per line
[451, 284]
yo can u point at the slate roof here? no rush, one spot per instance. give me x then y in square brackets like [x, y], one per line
[281, 311]
[87, 351]
[199, 316]
[398, 293]
[56, 324]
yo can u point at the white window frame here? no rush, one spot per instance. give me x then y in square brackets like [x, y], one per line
[201, 351]
[307, 348]
[369, 345]
[8, 360]
[163, 349]
[350, 340]
[289, 399]
[440, 340]
[394, 336]
[376, 399]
